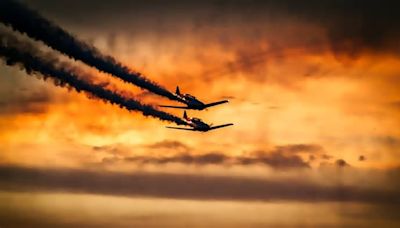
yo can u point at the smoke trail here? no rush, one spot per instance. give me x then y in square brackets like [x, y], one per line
[15, 52]
[24, 20]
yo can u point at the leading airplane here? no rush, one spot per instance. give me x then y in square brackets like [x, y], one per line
[192, 102]
[198, 125]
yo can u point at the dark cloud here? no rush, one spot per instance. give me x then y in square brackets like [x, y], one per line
[341, 163]
[298, 148]
[121, 150]
[203, 159]
[98, 148]
[25, 102]
[109, 160]
[280, 157]
[111, 149]
[256, 33]
[274, 159]
[395, 104]
[388, 141]
[326, 157]
[286, 156]
[169, 144]
[351, 25]
[185, 186]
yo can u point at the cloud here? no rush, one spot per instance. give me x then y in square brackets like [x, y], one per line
[297, 148]
[116, 149]
[372, 26]
[254, 33]
[169, 144]
[203, 159]
[326, 157]
[185, 186]
[121, 151]
[245, 39]
[279, 157]
[388, 141]
[25, 102]
[341, 163]
[395, 104]
[274, 159]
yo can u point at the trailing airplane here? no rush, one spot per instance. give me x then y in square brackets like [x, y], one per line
[198, 125]
[192, 102]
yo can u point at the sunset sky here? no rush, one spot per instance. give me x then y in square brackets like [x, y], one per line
[314, 95]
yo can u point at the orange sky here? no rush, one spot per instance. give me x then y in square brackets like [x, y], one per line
[295, 98]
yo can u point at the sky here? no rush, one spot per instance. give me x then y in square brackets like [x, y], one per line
[314, 98]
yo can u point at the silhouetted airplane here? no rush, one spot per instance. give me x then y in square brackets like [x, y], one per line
[198, 125]
[192, 102]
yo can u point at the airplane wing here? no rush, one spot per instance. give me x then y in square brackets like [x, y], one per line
[182, 128]
[219, 126]
[169, 106]
[216, 103]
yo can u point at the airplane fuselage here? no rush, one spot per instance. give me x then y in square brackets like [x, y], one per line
[192, 102]
[198, 125]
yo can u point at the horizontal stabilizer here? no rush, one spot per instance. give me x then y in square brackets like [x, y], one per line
[216, 103]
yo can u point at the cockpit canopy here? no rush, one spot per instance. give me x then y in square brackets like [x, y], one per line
[190, 96]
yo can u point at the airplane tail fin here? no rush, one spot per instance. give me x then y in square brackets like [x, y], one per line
[178, 92]
[185, 115]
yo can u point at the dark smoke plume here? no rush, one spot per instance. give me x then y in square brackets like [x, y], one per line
[24, 20]
[15, 52]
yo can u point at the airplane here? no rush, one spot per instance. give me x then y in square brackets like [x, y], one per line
[192, 102]
[198, 125]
